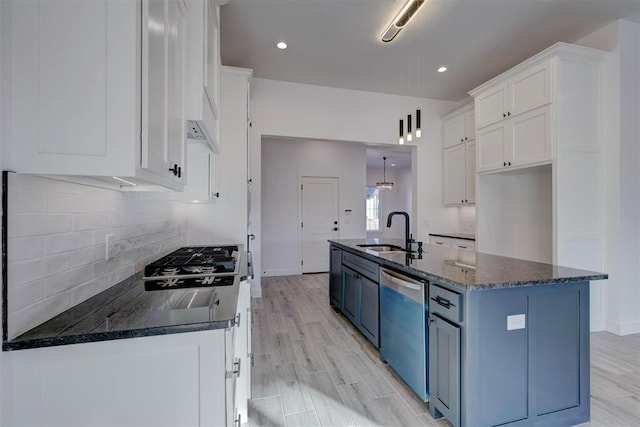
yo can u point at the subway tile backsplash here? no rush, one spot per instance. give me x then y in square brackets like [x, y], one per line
[56, 243]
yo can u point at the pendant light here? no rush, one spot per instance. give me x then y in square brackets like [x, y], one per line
[384, 185]
[418, 130]
[409, 136]
[401, 139]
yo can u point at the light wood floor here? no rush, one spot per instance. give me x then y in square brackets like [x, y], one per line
[312, 367]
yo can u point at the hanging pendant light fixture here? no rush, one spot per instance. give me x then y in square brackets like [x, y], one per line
[418, 130]
[384, 185]
[401, 139]
[409, 135]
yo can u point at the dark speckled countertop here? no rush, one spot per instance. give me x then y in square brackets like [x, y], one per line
[468, 270]
[126, 310]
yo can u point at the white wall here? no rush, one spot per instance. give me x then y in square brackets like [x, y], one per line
[396, 199]
[284, 161]
[622, 134]
[285, 109]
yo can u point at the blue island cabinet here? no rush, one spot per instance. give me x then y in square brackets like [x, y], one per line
[510, 356]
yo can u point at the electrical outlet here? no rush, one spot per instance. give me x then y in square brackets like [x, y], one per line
[110, 242]
[516, 321]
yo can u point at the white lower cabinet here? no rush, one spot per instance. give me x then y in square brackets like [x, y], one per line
[440, 241]
[187, 379]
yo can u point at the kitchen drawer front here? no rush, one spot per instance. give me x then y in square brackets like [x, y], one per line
[463, 244]
[440, 241]
[368, 269]
[446, 303]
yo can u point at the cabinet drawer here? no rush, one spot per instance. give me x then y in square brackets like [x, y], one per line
[440, 241]
[463, 244]
[445, 303]
[365, 267]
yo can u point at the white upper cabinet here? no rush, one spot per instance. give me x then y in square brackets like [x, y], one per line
[514, 114]
[459, 127]
[459, 157]
[97, 90]
[203, 77]
[529, 89]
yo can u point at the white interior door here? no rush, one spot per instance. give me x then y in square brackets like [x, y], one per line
[319, 222]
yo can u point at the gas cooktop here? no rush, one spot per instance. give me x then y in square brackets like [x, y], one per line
[193, 266]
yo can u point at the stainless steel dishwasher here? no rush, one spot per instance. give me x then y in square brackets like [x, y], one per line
[404, 332]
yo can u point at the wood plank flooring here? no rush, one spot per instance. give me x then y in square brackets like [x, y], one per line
[313, 368]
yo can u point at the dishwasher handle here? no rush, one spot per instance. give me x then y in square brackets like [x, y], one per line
[407, 286]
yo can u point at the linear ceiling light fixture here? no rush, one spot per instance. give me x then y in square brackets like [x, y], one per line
[401, 19]
[384, 185]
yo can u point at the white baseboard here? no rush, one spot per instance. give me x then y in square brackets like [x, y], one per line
[623, 328]
[281, 272]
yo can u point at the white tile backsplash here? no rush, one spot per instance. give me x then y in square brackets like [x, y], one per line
[467, 220]
[56, 242]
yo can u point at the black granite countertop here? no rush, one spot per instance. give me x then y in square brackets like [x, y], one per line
[462, 236]
[468, 270]
[126, 310]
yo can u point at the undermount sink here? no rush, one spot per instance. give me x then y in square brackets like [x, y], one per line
[382, 248]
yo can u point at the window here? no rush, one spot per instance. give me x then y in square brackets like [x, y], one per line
[373, 209]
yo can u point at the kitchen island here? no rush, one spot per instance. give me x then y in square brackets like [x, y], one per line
[508, 339]
[128, 356]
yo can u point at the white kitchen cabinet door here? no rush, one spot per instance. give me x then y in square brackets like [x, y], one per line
[453, 131]
[77, 109]
[470, 173]
[165, 380]
[454, 175]
[530, 88]
[491, 105]
[470, 125]
[176, 129]
[155, 39]
[243, 351]
[491, 147]
[530, 137]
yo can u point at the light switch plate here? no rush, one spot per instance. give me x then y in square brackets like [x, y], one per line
[516, 321]
[109, 246]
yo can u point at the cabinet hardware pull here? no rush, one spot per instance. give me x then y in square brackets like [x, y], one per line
[179, 171]
[462, 201]
[508, 113]
[237, 320]
[441, 301]
[174, 169]
[216, 194]
[509, 163]
[465, 138]
[504, 115]
[252, 360]
[238, 421]
[504, 163]
[236, 368]
[461, 139]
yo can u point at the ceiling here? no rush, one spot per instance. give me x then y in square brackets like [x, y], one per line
[337, 42]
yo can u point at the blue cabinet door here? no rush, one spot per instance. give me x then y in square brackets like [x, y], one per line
[444, 369]
[369, 306]
[350, 294]
[335, 278]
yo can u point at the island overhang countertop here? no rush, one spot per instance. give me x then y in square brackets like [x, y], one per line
[467, 270]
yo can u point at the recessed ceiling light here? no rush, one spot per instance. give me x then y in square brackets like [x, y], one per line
[442, 69]
[282, 45]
